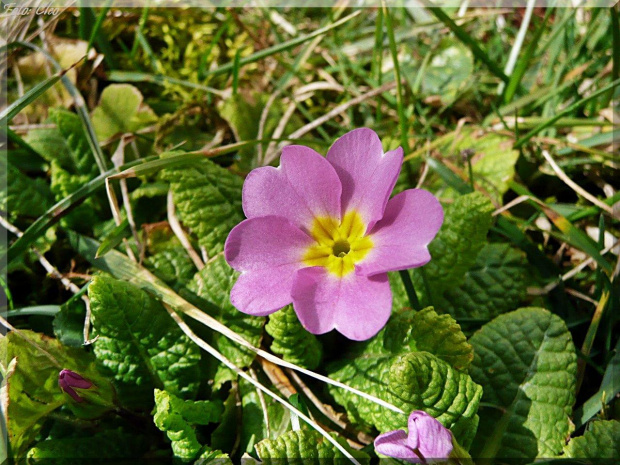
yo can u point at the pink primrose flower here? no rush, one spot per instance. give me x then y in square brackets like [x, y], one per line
[68, 380]
[427, 440]
[322, 233]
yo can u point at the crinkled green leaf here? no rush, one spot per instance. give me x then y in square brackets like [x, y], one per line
[441, 336]
[177, 417]
[213, 284]
[526, 363]
[208, 201]
[106, 445]
[421, 381]
[292, 341]
[496, 284]
[138, 341]
[304, 444]
[23, 196]
[172, 265]
[600, 441]
[455, 248]
[30, 390]
[369, 367]
[121, 110]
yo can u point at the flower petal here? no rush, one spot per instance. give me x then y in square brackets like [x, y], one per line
[356, 306]
[367, 174]
[394, 444]
[429, 436]
[261, 292]
[265, 242]
[303, 187]
[267, 250]
[411, 221]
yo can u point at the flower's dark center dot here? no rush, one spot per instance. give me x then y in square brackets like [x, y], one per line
[341, 248]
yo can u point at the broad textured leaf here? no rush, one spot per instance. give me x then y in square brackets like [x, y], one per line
[138, 341]
[71, 129]
[600, 441]
[493, 160]
[30, 390]
[177, 418]
[121, 110]
[107, 445]
[303, 444]
[421, 381]
[292, 341]
[213, 284]
[456, 246]
[208, 200]
[526, 363]
[23, 196]
[497, 283]
[64, 184]
[407, 339]
[172, 265]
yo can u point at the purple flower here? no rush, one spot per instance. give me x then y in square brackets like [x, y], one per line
[68, 380]
[426, 441]
[322, 233]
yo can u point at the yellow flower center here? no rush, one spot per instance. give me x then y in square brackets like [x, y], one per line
[339, 245]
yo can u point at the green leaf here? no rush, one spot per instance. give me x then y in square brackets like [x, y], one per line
[63, 185]
[421, 381]
[493, 160]
[456, 246]
[495, 284]
[72, 131]
[138, 342]
[121, 110]
[600, 441]
[24, 196]
[292, 341]
[213, 284]
[69, 323]
[30, 391]
[526, 363]
[106, 445]
[173, 266]
[208, 201]
[448, 71]
[408, 339]
[177, 418]
[303, 444]
[441, 336]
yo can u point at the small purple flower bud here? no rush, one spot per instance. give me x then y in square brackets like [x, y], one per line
[68, 380]
[427, 440]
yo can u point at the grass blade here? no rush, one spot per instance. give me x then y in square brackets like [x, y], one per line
[18, 105]
[55, 213]
[567, 111]
[280, 47]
